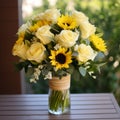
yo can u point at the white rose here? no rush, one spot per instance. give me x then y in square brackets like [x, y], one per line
[85, 53]
[44, 34]
[38, 16]
[36, 52]
[23, 28]
[87, 29]
[51, 15]
[79, 17]
[67, 38]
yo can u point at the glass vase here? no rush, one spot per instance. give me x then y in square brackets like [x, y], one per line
[59, 95]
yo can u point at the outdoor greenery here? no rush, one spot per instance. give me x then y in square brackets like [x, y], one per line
[106, 15]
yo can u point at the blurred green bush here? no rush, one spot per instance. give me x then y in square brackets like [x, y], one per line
[106, 15]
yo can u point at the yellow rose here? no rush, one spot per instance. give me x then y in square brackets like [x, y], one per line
[36, 52]
[19, 49]
[44, 34]
[85, 53]
[87, 29]
[79, 17]
[67, 38]
[51, 15]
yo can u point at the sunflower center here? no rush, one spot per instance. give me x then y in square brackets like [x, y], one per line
[66, 24]
[61, 58]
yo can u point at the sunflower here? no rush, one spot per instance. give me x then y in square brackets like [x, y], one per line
[60, 58]
[66, 22]
[98, 43]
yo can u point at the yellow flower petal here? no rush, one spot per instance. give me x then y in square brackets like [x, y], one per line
[60, 58]
[67, 22]
[98, 43]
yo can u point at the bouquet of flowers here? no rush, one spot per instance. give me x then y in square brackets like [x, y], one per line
[55, 43]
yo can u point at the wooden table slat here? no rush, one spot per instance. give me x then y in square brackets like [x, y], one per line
[63, 117]
[46, 103]
[44, 112]
[83, 107]
[45, 107]
[10, 99]
[45, 95]
[28, 118]
[44, 98]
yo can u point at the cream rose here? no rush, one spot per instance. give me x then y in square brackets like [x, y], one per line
[19, 49]
[38, 17]
[51, 15]
[67, 38]
[79, 17]
[23, 28]
[87, 29]
[85, 53]
[36, 52]
[85, 26]
[44, 34]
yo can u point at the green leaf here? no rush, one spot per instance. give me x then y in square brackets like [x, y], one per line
[99, 66]
[21, 65]
[70, 69]
[55, 29]
[28, 36]
[82, 71]
[27, 42]
[99, 56]
[75, 54]
[100, 34]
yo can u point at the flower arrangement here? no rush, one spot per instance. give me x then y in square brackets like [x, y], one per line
[53, 44]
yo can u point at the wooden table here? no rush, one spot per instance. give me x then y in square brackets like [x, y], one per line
[83, 107]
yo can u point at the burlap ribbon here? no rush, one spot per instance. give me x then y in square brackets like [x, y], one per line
[60, 84]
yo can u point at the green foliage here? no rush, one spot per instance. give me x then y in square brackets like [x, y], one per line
[62, 5]
[41, 86]
[19, 66]
[55, 29]
[82, 70]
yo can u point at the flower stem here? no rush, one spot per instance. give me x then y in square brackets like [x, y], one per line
[59, 99]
